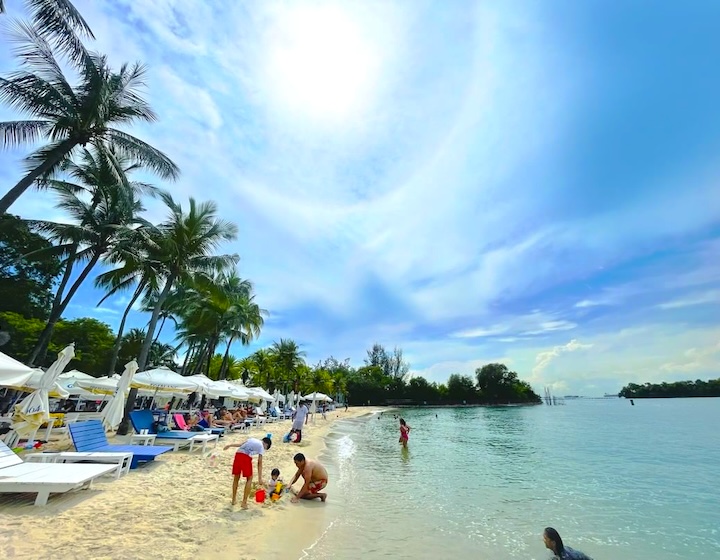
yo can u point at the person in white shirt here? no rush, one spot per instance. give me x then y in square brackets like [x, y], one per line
[300, 418]
[242, 465]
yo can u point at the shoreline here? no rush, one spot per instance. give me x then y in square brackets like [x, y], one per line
[178, 507]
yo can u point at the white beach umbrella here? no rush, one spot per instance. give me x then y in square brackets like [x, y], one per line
[12, 372]
[313, 410]
[314, 397]
[35, 381]
[75, 374]
[115, 410]
[34, 409]
[260, 393]
[203, 382]
[74, 390]
[164, 379]
[100, 385]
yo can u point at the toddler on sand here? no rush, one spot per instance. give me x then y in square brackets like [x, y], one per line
[272, 485]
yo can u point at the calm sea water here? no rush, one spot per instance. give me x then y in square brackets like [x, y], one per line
[617, 481]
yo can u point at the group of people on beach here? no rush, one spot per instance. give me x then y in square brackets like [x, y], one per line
[314, 474]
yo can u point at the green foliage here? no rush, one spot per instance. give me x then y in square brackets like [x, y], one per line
[27, 269]
[697, 388]
[93, 341]
[460, 388]
[93, 344]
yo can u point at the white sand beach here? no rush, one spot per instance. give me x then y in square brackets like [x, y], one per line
[179, 507]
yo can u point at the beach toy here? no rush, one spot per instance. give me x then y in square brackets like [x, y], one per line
[275, 496]
[260, 496]
[269, 436]
[286, 438]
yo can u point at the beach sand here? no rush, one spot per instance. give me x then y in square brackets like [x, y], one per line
[179, 507]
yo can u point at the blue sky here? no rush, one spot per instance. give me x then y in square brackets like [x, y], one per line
[529, 182]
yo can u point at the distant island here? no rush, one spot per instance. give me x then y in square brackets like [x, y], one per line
[698, 388]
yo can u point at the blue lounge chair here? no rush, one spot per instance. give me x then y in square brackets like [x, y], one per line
[90, 436]
[144, 420]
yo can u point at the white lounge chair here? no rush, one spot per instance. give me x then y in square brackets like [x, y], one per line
[44, 479]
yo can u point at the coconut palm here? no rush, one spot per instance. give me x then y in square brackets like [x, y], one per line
[101, 208]
[134, 269]
[186, 242]
[60, 24]
[69, 118]
[290, 361]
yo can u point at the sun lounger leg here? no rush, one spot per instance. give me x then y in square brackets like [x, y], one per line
[42, 498]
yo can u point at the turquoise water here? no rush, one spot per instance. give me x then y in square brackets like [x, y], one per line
[617, 481]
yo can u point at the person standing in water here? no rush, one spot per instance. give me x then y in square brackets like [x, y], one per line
[554, 543]
[404, 432]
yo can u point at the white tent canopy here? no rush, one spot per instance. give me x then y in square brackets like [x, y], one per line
[12, 372]
[315, 397]
[164, 380]
[260, 393]
[75, 374]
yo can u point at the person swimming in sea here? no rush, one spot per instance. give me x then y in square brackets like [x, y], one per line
[404, 432]
[554, 543]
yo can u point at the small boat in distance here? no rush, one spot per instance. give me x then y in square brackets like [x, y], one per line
[611, 395]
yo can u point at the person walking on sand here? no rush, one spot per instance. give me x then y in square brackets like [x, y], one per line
[300, 418]
[315, 476]
[404, 432]
[242, 465]
[554, 543]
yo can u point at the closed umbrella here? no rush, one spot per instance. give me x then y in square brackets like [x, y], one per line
[115, 410]
[34, 409]
[57, 391]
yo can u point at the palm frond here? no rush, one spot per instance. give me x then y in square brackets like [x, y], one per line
[143, 153]
[18, 133]
[36, 54]
[62, 25]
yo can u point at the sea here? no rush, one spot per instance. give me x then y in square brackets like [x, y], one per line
[617, 481]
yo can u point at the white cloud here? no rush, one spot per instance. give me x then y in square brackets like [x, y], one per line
[696, 359]
[712, 297]
[544, 359]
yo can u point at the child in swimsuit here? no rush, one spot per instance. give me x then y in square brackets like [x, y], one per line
[404, 432]
[272, 485]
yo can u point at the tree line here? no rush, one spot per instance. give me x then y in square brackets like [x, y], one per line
[697, 388]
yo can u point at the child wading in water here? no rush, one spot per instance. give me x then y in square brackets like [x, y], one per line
[404, 432]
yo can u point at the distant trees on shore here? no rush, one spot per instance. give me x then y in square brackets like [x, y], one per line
[697, 388]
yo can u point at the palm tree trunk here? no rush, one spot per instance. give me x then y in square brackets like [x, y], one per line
[197, 366]
[191, 350]
[43, 342]
[211, 352]
[121, 328]
[223, 374]
[14, 193]
[145, 351]
[162, 324]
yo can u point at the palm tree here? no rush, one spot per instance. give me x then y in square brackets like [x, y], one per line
[135, 269]
[69, 117]
[102, 208]
[60, 24]
[185, 246]
[289, 359]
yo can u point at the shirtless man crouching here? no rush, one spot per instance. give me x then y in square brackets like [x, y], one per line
[316, 478]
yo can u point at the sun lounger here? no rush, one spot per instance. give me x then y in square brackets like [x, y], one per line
[202, 440]
[144, 420]
[122, 461]
[90, 436]
[44, 479]
[180, 422]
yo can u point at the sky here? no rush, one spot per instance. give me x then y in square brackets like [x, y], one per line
[534, 183]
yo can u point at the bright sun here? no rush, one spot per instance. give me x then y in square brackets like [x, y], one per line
[320, 63]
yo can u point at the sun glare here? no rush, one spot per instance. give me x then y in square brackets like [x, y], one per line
[320, 63]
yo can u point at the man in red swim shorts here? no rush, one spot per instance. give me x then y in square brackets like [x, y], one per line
[315, 476]
[242, 465]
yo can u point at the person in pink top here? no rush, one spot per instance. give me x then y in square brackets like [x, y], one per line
[404, 432]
